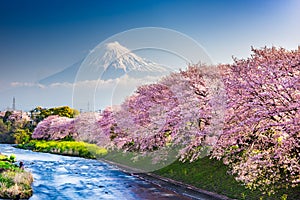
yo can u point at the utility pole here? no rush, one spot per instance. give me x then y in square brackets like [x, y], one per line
[14, 104]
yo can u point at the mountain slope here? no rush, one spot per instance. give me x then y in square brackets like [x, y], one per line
[66, 75]
[114, 62]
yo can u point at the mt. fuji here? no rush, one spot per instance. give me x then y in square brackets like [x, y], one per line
[113, 62]
[119, 56]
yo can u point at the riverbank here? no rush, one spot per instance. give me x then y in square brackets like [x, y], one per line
[68, 148]
[15, 183]
[205, 177]
[175, 186]
[211, 175]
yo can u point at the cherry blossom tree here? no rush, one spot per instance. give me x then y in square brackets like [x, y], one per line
[175, 111]
[202, 106]
[261, 137]
[54, 127]
[149, 111]
[88, 129]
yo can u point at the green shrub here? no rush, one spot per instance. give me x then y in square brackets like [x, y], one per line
[12, 158]
[71, 148]
[22, 136]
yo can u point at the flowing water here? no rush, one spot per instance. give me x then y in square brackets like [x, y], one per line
[64, 177]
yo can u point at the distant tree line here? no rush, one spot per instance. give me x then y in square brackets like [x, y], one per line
[17, 126]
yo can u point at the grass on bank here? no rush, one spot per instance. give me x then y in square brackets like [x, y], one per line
[211, 175]
[70, 148]
[141, 162]
[15, 183]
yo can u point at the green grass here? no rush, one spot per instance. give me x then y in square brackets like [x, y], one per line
[15, 183]
[211, 175]
[139, 161]
[5, 165]
[70, 148]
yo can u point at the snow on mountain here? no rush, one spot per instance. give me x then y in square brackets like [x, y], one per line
[120, 57]
[116, 60]
[111, 62]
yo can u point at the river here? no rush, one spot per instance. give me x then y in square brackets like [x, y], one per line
[63, 178]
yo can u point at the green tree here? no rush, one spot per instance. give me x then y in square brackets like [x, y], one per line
[64, 111]
[6, 116]
[3, 127]
[39, 113]
[5, 135]
[22, 136]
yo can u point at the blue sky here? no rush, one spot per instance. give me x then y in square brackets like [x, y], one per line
[41, 37]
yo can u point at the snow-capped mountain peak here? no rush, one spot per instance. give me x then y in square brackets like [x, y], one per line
[116, 47]
[117, 60]
[114, 55]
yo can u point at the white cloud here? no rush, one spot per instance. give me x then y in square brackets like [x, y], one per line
[26, 84]
[63, 84]
[105, 84]
[98, 94]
